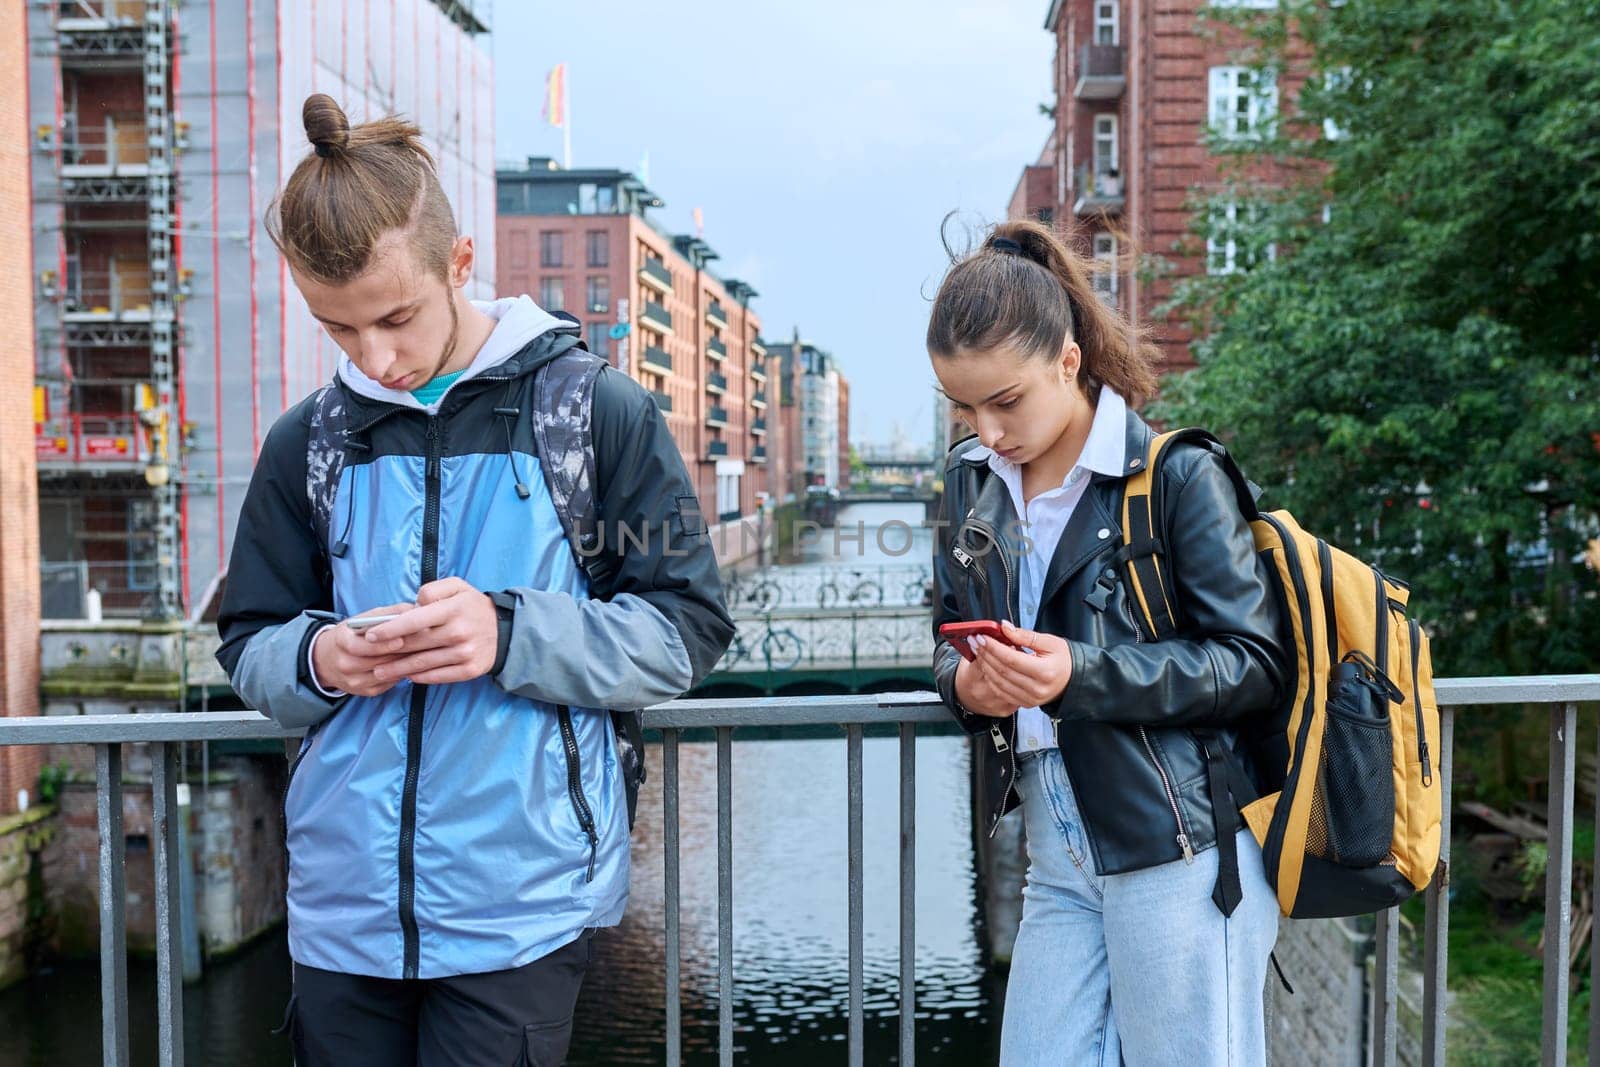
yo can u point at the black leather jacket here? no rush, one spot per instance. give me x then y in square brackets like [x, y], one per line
[1135, 716]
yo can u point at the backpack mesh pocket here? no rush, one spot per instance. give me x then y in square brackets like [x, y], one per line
[1352, 810]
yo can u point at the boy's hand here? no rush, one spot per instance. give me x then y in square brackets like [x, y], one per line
[452, 635]
[345, 660]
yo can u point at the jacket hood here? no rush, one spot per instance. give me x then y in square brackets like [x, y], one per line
[518, 322]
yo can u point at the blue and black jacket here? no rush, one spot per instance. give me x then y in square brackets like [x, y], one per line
[458, 829]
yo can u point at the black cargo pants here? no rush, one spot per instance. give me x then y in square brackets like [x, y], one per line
[516, 1018]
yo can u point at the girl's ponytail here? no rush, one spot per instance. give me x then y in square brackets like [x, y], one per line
[1025, 287]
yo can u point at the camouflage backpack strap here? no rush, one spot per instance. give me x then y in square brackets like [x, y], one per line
[325, 458]
[563, 430]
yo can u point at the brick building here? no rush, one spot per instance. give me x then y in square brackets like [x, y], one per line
[1138, 92]
[19, 520]
[581, 241]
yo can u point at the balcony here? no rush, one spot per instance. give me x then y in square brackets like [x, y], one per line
[1097, 194]
[121, 294]
[716, 350]
[758, 426]
[758, 370]
[758, 454]
[663, 401]
[115, 146]
[909, 719]
[654, 274]
[759, 400]
[716, 417]
[717, 449]
[715, 315]
[716, 384]
[758, 348]
[1100, 74]
[655, 316]
[91, 442]
[655, 359]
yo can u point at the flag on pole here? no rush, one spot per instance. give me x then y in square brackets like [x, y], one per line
[555, 96]
[699, 223]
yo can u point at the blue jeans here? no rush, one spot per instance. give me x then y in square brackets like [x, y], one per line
[1139, 966]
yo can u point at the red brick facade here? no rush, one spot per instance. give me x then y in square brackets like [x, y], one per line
[19, 515]
[713, 399]
[1157, 142]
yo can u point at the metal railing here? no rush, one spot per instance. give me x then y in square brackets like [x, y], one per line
[107, 294]
[165, 732]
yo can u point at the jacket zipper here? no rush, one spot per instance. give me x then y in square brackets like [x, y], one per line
[1001, 745]
[419, 696]
[580, 803]
[1185, 845]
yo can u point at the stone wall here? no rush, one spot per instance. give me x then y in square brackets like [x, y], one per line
[235, 832]
[22, 837]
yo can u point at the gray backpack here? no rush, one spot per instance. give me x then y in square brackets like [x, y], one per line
[563, 389]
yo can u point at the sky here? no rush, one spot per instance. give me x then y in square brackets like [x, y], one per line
[823, 141]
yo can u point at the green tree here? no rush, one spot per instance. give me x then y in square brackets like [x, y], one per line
[1407, 354]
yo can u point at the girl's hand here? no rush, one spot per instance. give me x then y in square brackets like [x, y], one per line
[977, 695]
[1025, 679]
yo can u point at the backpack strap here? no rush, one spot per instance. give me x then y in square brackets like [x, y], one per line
[325, 460]
[1144, 552]
[563, 430]
[1146, 561]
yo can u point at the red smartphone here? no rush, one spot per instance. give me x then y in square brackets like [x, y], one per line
[957, 633]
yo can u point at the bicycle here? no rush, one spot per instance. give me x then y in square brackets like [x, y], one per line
[757, 591]
[780, 649]
[864, 593]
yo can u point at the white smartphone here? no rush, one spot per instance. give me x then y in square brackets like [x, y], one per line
[364, 622]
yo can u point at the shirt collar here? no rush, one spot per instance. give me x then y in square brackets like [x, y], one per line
[1104, 450]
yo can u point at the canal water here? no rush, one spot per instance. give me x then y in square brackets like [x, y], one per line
[790, 919]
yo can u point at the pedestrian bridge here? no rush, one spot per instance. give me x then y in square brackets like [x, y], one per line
[164, 734]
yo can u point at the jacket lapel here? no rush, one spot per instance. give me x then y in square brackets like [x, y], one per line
[1081, 541]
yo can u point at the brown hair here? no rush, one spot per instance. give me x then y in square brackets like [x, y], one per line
[360, 184]
[1025, 287]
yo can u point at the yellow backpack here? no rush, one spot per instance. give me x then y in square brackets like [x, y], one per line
[1344, 800]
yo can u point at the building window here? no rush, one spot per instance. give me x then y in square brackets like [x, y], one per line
[1334, 82]
[727, 497]
[600, 339]
[1229, 245]
[553, 294]
[1105, 21]
[596, 199]
[1105, 144]
[552, 248]
[599, 294]
[1106, 280]
[599, 248]
[1243, 101]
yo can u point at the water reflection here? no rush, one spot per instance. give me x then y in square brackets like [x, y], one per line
[790, 919]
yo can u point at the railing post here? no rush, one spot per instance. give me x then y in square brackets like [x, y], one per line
[1386, 978]
[854, 848]
[1558, 886]
[1436, 922]
[908, 893]
[725, 895]
[169, 978]
[1594, 956]
[669, 817]
[113, 898]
